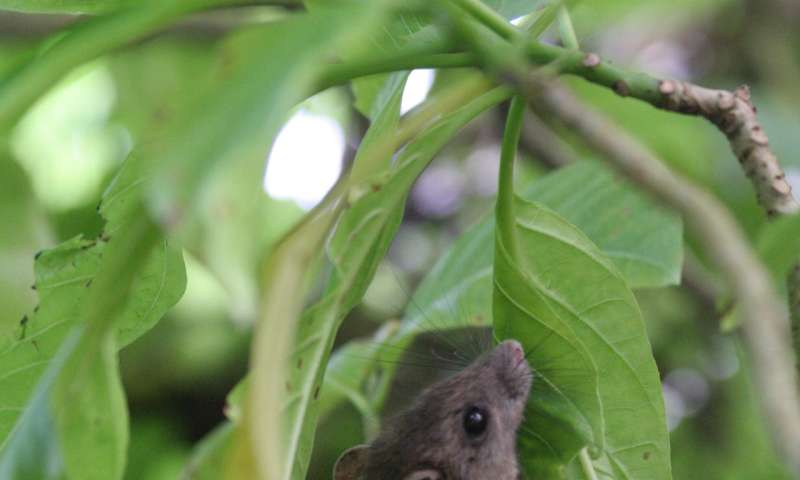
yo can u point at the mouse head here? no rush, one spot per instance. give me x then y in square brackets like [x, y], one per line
[462, 428]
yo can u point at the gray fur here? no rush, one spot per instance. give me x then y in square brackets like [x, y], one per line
[430, 436]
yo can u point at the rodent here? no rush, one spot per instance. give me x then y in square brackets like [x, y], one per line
[460, 428]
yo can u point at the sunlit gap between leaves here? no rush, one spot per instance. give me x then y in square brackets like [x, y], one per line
[306, 158]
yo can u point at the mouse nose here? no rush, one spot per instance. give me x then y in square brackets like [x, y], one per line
[517, 352]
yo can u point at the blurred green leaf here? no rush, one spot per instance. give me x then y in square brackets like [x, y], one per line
[236, 221]
[307, 378]
[83, 42]
[208, 459]
[273, 92]
[33, 451]
[64, 6]
[778, 245]
[359, 243]
[22, 232]
[64, 276]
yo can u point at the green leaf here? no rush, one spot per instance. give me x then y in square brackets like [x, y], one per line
[361, 239]
[64, 6]
[644, 240]
[583, 332]
[243, 102]
[346, 373]
[20, 236]
[35, 453]
[85, 41]
[208, 459]
[65, 277]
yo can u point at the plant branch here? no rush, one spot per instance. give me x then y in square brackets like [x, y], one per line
[340, 73]
[765, 327]
[488, 17]
[732, 112]
[567, 30]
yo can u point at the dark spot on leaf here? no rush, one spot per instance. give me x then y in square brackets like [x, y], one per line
[36, 309]
[89, 283]
[288, 387]
[300, 362]
[316, 392]
[38, 254]
[24, 320]
[376, 187]
[33, 287]
[646, 456]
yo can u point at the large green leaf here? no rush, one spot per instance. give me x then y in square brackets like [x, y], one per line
[89, 412]
[596, 382]
[63, 275]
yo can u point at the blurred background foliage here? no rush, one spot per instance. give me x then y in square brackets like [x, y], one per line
[177, 376]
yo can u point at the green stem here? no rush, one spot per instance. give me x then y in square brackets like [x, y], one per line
[483, 13]
[567, 30]
[505, 190]
[574, 62]
[340, 73]
[586, 465]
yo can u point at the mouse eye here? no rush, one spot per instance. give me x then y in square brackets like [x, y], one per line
[475, 421]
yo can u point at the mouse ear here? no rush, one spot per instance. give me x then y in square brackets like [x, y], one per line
[424, 475]
[352, 464]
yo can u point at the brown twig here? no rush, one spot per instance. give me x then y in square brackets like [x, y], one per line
[765, 326]
[735, 115]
